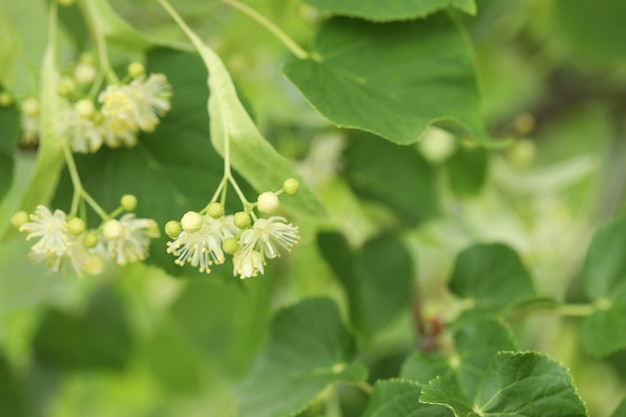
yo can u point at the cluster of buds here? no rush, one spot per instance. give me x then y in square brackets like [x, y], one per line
[204, 238]
[64, 239]
[125, 109]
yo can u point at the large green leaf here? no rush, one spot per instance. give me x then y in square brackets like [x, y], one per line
[370, 281]
[467, 170]
[376, 10]
[515, 384]
[99, 337]
[400, 398]
[395, 176]
[250, 154]
[12, 392]
[392, 79]
[309, 349]
[604, 332]
[8, 47]
[491, 277]
[476, 341]
[9, 133]
[620, 411]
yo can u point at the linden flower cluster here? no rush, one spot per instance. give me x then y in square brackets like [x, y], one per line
[204, 238]
[126, 110]
[64, 240]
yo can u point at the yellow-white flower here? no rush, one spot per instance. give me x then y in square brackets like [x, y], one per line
[76, 125]
[127, 240]
[51, 228]
[118, 132]
[30, 121]
[248, 263]
[203, 247]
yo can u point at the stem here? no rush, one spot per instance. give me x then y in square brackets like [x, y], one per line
[78, 186]
[269, 25]
[332, 406]
[575, 310]
[366, 387]
[100, 42]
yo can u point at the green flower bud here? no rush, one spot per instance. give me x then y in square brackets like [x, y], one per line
[90, 240]
[84, 108]
[5, 99]
[230, 245]
[66, 87]
[136, 69]
[76, 226]
[191, 222]
[267, 202]
[291, 186]
[173, 229]
[30, 106]
[128, 202]
[242, 220]
[19, 218]
[215, 210]
[85, 73]
[112, 229]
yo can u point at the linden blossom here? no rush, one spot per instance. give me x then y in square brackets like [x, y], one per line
[127, 240]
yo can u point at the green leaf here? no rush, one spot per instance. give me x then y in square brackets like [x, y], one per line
[392, 79]
[8, 47]
[309, 349]
[604, 331]
[467, 170]
[390, 10]
[250, 154]
[12, 393]
[491, 276]
[399, 398]
[396, 176]
[516, 384]
[9, 133]
[620, 411]
[476, 341]
[368, 281]
[99, 337]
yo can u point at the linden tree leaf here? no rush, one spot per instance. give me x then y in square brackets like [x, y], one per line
[515, 384]
[392, 79]
[604, 331]
[467, 170]
[620, 411]
[476, 341]
[397, 397]
[376, 10]
[249, 153]
[491, 276]
[8, 47]
[308, 350]
[9, 133]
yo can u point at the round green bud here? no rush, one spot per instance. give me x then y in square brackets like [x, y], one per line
[267, 202]
[19, 218]
[291, 186]
[191, 222]
[90, 240]
[112, 229]
[215, 210]
[242, 220]
[230, 245]
[84, 108]
[76, 226]
[66, 87]
[5, 99]
[128, 202]
[136, 69]
[85, 73]
[173, 229]
[65, 3]
[30, 106]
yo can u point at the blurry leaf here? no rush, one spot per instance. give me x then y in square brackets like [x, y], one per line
[309, 349]
[392, 79]
[515, 384]
[72, 20]
[9, 133]
[250, 154]
[476, 341]
[491, 276]
[390, 10]
[8, 47]
[380, 274]
[12, 398]
[620, 411]
[604, 332]
[467, 170]
[396, 176]
[602, 39]
[99, 337]
[399, 398]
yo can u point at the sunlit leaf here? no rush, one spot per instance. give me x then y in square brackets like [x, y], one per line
[309, 349]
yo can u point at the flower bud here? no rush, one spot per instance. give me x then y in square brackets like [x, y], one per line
[136, 69]
[76, 226]
[5, 99]
[215, 210]
[267, 202]
[191, 222]
[85, 73]
[85, 108]
[230, 245]
[242, 220]
[173, 229]
[90, 240]
[19, 218]
[30, 106]
[66, 87]
[112, 229]
[291, 186]
[128, 202]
